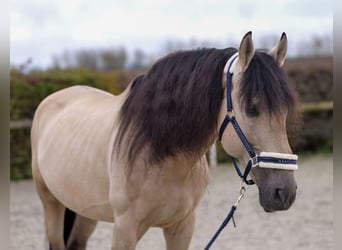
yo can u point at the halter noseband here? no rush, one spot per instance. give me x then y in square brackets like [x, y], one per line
[264, 159]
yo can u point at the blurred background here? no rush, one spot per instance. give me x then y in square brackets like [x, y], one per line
[105, 44]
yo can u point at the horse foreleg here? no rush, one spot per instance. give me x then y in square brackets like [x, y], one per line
[81, 231]
[179, 235]
[124, 233]
[127, 232]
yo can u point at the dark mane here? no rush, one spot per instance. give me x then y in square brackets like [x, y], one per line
[174, 107]
[266, 88]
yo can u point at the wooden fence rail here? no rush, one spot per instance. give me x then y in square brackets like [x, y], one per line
[317, 106]
[20, 124]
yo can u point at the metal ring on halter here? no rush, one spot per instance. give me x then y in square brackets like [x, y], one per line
[230, 113]
[254, 161]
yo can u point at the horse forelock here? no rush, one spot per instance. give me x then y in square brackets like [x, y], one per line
[174, 107]
[265, 87]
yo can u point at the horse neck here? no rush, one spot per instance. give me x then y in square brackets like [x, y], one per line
[184, 168]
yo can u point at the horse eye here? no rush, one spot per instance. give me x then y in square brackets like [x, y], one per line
[252, 110]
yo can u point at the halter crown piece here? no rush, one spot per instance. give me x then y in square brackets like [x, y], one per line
[264, 159]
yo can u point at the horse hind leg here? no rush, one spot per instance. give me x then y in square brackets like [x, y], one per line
[81, 229]
[53, 212]
[69, 220]
[63, 226]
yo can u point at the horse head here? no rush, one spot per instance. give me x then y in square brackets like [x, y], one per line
[262, 99]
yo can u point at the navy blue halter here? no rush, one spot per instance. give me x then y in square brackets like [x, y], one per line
[254, 158]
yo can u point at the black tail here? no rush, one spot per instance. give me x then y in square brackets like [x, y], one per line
[69, 219]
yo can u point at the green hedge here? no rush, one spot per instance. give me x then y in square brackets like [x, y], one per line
[20, 154]
[28, 90]
[314, 85]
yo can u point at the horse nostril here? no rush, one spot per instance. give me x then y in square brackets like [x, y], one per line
[280, 195]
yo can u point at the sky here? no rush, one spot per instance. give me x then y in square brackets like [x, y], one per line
[40, 29]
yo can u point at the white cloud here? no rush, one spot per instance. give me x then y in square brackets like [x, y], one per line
[42, 28]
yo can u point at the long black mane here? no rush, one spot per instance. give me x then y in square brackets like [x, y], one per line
[174, 107]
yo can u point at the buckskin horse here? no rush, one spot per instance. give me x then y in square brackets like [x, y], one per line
[138, 159]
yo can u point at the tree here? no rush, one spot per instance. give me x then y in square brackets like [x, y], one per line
[87, 59]
[139, 61]
[113, 59]
[317, 46]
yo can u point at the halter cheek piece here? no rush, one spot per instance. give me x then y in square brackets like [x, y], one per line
[264, 159]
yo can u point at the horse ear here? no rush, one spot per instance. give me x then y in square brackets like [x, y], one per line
[246, 51]
[279, 51]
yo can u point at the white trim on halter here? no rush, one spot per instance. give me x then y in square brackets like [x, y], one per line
[279, 165]
[232, 68]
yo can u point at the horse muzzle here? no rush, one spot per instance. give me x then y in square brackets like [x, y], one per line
[279, 192]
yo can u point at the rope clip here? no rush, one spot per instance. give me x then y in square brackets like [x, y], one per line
[242, 194]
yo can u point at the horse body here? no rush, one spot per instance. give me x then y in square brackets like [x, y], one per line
[70, 119]
[138, 159]
[88, 179]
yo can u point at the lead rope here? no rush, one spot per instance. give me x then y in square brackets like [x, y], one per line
[228, 218]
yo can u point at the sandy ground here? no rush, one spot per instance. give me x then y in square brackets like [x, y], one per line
[307, 225]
